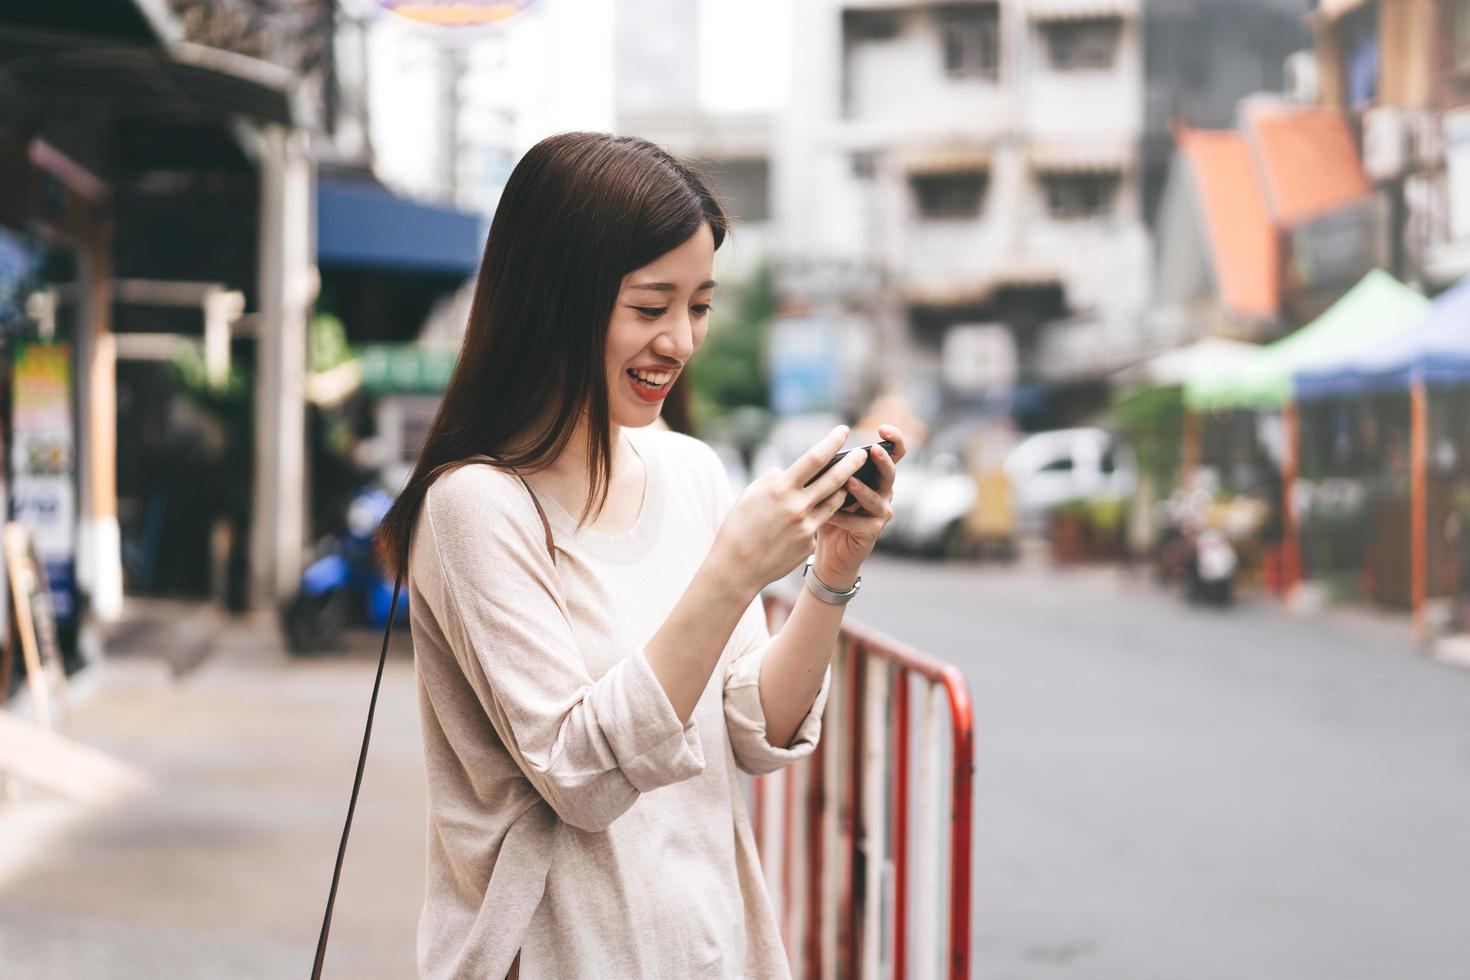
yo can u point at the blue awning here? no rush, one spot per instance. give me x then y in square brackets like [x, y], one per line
[1435, 350]
[365, 225]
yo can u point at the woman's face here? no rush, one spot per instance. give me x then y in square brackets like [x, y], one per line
[659, 318]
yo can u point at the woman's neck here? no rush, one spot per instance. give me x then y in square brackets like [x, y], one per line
[566, 480]
[571, 465]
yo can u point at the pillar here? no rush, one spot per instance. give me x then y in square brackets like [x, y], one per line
[1291, 541]
[99, 545]
[284, 294]
[1419, 504]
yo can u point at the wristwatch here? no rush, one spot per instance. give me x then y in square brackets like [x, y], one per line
[828, 595]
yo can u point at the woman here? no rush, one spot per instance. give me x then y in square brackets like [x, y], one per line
[593, 664]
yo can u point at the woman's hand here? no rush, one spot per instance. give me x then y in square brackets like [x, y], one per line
[847, 538]
[772, 527]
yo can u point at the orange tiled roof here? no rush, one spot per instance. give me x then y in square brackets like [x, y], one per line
[1242, 239]
[1308, 162]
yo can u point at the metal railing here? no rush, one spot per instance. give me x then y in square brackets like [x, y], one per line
[834, 830]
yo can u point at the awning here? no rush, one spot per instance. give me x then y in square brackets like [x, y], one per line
[1079, 156]
[1376, 309]
[1435, 350]
[1184, 364]
[1080, 9]
[945, 159]
[364, 225]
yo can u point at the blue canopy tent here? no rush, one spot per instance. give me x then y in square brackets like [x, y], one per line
[1435, 350]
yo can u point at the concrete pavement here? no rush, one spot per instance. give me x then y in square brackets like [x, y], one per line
[221, 867]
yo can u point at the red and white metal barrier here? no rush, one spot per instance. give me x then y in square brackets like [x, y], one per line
[835, 831]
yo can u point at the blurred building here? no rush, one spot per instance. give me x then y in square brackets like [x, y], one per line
[947, 169]
[1401, 68]
[658, 96]
[1201, 57]
[156, 200]
[450, 111]
[1264, 225]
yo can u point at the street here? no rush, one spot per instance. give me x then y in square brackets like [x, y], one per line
[1184, 794]
[1162, 792]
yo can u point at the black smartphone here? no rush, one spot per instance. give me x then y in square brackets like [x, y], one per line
[867, 473]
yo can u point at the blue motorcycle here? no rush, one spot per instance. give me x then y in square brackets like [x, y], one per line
[344, 584]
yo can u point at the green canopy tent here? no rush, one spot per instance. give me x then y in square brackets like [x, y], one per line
[1377, 308]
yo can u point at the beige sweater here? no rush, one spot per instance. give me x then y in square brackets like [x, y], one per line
[571, 816]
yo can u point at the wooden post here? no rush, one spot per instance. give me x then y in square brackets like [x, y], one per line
[1291, 554]
[1190, 449]
[1419, 504]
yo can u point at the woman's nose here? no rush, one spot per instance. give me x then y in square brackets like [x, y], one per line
[677, 341]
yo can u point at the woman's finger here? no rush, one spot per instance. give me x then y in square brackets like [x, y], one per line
[829, 506]
[810, 463]
[868, 499]
[859, 524]
[895, 435]
[835, 478]
[886, 471]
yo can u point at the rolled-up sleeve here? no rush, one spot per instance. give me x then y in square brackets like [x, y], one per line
[589, 747]
[745, 719]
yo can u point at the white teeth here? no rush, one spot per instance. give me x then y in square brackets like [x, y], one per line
[655, 379]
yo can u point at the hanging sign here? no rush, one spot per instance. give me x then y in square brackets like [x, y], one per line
[453, 13]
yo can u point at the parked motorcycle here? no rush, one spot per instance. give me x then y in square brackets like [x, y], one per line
[344, 585]
[1211, 569]
[1194, 556]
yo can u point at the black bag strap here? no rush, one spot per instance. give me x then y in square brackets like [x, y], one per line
[367, 733]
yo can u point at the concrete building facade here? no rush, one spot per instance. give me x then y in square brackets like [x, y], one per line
[961, 165]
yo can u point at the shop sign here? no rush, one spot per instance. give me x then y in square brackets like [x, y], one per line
[405, 369]
[805, 357]
[42, 458]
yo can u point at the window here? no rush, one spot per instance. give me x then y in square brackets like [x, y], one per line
[971, 39]
[869, 25]
[951, 195]
[1082, 44]
[1079, 195]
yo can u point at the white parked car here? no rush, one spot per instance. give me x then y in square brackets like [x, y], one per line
[932, 493]
[1050, 468]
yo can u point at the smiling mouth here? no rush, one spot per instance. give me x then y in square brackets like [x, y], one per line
[644, 380]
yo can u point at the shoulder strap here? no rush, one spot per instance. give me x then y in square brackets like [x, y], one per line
[367, 733]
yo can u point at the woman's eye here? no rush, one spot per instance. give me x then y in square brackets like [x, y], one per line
[652, 312]
[703, 309]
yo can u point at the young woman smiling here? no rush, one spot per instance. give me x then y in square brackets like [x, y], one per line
[593, 662]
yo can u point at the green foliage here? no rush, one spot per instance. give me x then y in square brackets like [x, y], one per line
[728, 372]
[327, 343]
[1151, 420]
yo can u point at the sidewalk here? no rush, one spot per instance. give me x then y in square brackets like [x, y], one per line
[219, 866]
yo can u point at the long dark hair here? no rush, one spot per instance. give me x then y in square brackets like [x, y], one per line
[579, 212]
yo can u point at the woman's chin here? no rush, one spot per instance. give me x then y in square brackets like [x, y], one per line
[637, 418]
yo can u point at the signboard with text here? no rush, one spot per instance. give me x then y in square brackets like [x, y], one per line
[42, 459]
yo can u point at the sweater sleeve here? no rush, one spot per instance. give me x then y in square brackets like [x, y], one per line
[745, 719]
[589, 747]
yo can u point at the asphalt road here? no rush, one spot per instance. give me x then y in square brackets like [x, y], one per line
[1168, 793]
